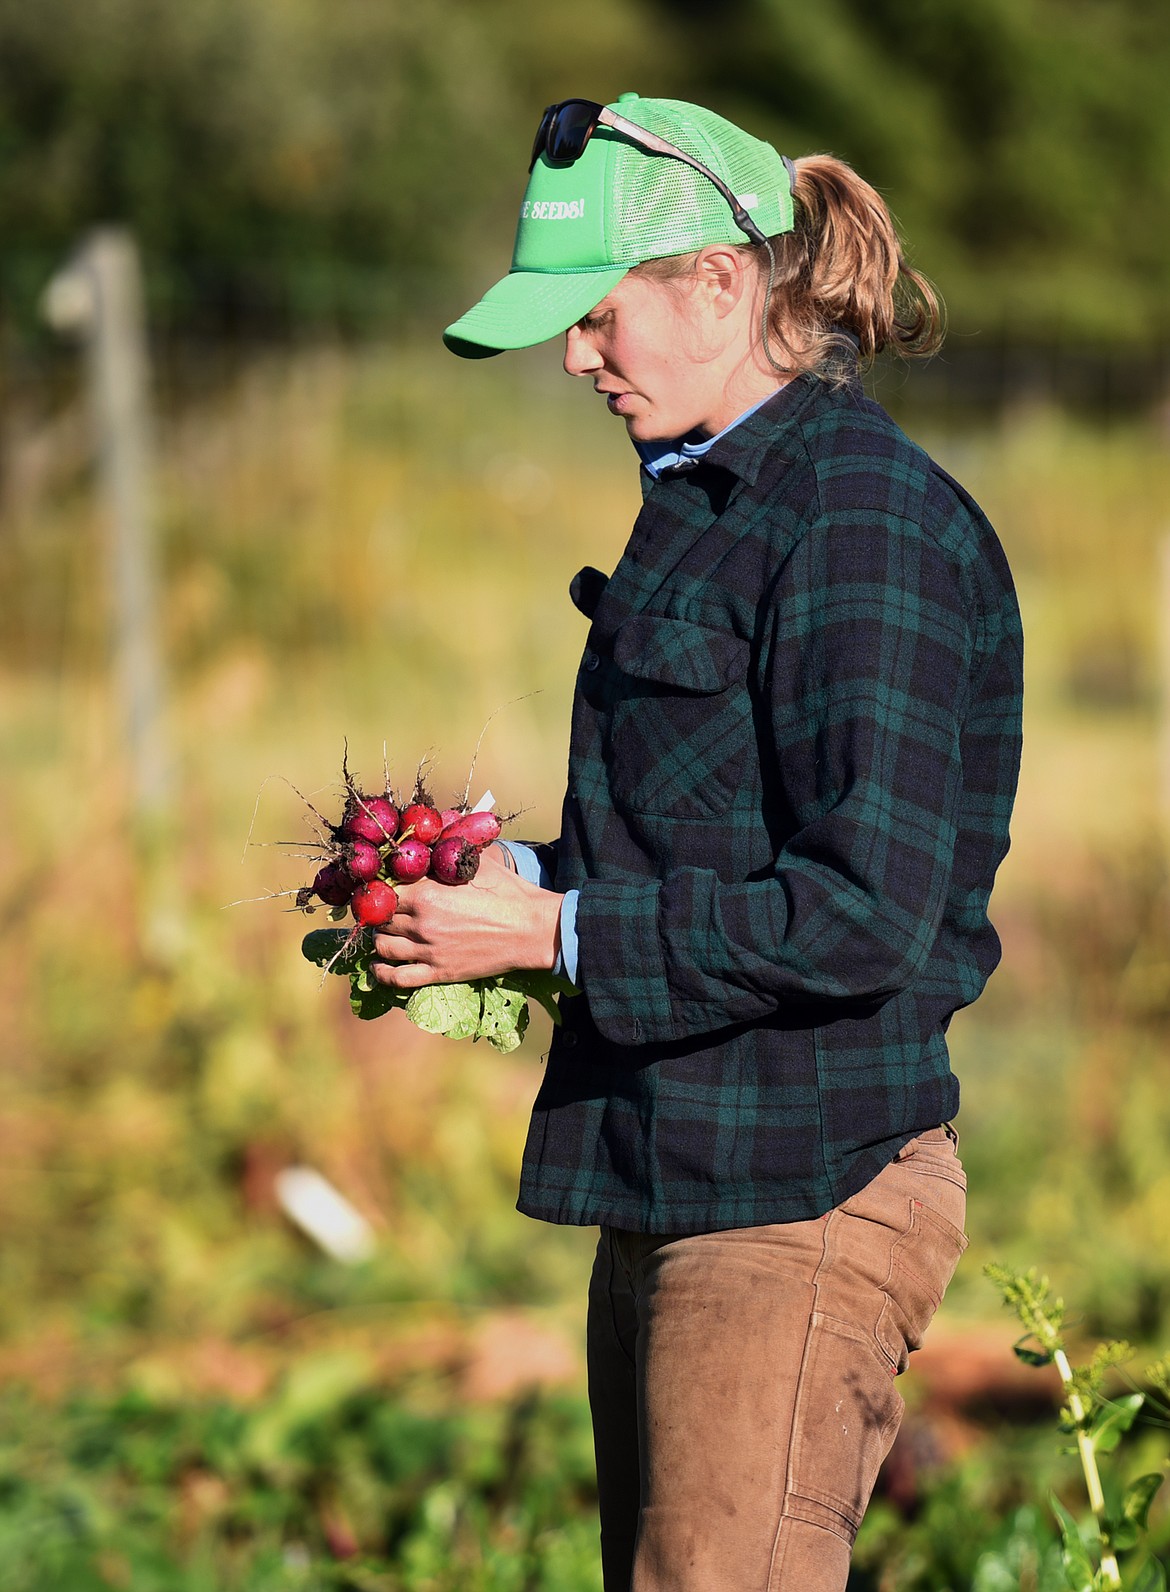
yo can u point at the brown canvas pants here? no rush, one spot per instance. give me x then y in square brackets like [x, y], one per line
[742, 1382]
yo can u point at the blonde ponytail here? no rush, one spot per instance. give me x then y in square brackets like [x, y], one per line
[842, 269]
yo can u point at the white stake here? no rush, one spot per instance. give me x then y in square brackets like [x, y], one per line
[322, 1213]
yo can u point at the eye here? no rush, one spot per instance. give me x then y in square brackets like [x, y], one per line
[595, 320]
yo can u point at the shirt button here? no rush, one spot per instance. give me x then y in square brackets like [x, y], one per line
[568, 1039]
[591, 660]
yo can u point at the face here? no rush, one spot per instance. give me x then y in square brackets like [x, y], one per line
[645, 350]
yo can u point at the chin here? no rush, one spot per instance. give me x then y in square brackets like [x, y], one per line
[641, 428]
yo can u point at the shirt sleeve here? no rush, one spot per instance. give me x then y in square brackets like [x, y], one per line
[866, 674]
[528, 862]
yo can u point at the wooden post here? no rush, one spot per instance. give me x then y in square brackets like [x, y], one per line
[98, 295]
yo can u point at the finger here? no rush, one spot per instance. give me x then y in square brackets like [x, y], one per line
[403, 975]
[396, 947]
[398, 927]
[407, 904]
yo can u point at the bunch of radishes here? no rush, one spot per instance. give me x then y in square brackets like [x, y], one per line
[377, 846]
[380, 846]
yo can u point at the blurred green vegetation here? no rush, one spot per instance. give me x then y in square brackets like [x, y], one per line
[322, 1486]
[348, 165]
[376, 545]
[334, 1482]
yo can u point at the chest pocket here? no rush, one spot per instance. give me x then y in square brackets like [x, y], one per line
[680, 725]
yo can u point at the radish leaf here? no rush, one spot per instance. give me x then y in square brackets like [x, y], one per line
[495, 1009]
[505, 1016]
[451, 1009]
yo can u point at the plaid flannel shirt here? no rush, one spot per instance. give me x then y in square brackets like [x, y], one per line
[794, 749]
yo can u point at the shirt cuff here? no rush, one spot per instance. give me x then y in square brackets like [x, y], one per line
[567, 961]
[528, 864]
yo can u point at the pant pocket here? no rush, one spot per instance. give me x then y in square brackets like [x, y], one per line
[922, 1264]
[846, 1416]
[934, 1154]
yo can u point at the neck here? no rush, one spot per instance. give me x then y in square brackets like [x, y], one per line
[748, 378]
[741, 396]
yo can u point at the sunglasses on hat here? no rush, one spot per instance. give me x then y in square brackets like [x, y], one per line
[566, 128]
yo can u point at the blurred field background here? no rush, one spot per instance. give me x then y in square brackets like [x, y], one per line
[360, 537]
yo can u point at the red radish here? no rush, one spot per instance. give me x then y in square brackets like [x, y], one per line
[363, 860]
[374, 904]
[424, 822]
[454, 860]
[408, 860]
[334, 884]
[379, 848]
[372, 818]
[480, 828]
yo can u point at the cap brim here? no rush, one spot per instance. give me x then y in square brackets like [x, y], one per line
[528, 307]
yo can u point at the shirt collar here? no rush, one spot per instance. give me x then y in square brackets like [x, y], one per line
[659, 455]
[740, 447]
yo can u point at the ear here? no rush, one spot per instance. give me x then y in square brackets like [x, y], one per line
[720, 268]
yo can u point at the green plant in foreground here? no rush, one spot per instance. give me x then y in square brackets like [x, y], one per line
[495, 1009]
[1099, 1424]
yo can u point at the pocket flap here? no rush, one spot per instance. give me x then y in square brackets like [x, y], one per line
[586, 588]
[676, 653]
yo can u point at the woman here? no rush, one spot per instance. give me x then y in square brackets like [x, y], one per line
[794, 750]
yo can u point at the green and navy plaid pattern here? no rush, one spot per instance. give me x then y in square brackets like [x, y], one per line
[795, 743]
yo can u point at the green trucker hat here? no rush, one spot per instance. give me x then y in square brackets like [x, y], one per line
[582, 226]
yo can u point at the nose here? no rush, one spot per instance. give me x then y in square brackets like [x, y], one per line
[581, 358]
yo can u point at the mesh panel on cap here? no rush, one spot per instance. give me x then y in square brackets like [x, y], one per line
[661, 212]
[662, 206]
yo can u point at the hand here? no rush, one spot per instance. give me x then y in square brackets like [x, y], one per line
[445, 934]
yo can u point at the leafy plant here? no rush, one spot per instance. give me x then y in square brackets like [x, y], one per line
[495, 1009]
[1098, 1424]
